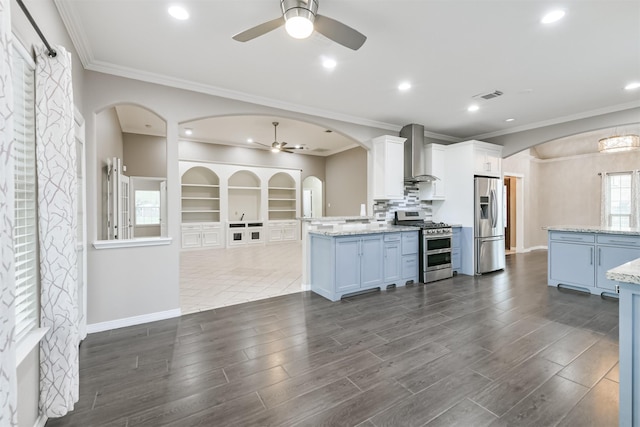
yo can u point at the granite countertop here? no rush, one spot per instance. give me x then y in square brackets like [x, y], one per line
[630, 231]
[627, 273]
[337, 218]
[357, 229]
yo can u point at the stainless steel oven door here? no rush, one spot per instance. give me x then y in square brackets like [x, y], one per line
[437, 259]
[436, 243]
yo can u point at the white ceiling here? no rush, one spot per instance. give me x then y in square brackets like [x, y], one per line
[449, 51]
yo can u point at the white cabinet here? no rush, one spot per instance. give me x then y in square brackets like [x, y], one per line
[282, 231]
[388, 167]
[434, 158]
[201, 235]
[487, 161]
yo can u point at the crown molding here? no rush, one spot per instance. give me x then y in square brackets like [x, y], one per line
[74, 27]
[559, 120]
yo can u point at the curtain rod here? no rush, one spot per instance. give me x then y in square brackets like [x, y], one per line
[52, 52]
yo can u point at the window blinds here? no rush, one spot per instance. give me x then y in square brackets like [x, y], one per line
[25, 236]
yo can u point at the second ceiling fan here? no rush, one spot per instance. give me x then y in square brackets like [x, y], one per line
[277, 146]
[301, 18]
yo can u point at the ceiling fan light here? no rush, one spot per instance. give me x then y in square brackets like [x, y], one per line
[299, 27]
[275, 150]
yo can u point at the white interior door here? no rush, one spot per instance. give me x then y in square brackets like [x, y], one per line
[163, 209]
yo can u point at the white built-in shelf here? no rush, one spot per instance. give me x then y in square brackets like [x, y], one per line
[200, 210]
[200, 185]
[282, 188]
[200, 198]
[282, 210]
[289, 199]
[243, 188]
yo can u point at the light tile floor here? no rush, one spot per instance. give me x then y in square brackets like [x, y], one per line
[214, 278]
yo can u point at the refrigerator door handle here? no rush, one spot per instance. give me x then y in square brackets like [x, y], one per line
[494, 209]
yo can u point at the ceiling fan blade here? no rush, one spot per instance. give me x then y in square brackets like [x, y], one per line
[259, 30]
[260, 143]
[339, 32]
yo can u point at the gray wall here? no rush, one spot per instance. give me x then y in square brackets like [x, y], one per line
[145, 155]
[346, 182]
[564, 191]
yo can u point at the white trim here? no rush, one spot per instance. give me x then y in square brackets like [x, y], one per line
[560, 120]
[28, 343]
[304, 287]
[535, 248]
[213, 162]
[132, 243]
[131, 321]
[41, 421]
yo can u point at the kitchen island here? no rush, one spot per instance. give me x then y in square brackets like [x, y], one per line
[352, 258]
[580, 256]
[628, 277]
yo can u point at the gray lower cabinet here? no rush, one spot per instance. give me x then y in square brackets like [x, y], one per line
[456, 249]
[629, 355]
[582, 259]
[410, 257]
[341, 265]
[392, 258]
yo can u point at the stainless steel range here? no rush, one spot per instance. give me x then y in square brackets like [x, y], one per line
[435, 245]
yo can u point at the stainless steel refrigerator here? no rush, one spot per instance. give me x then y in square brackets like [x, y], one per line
[488, 228]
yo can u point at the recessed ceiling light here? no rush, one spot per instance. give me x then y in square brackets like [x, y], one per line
[328, 131]
[188, 131]
[329, 63]
[509, 120]
[473, 108]
[404, 86]
[147, 126]
[632, 86]
[553, 16]
[178, 12]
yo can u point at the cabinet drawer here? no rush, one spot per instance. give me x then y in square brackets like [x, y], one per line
[191, 227]
[392, 237]
[572, 237]
[209, 227]
[410, 243]
[619, 240]
[409, 267]
[456, 259]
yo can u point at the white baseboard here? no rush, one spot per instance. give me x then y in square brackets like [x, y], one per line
[304, 287]
[535, 248]
[41, 421]
[135, 320]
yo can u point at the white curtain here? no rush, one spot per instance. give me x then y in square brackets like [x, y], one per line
[8, 387]
[56, 166]
[604, 199]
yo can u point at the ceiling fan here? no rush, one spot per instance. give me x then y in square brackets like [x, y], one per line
[276, 146]
[300, 19]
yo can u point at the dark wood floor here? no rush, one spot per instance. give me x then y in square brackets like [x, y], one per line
[502, 349]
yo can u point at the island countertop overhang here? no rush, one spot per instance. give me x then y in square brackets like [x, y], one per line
[628, 231]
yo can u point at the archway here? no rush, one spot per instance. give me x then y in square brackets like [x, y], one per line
[312, 197]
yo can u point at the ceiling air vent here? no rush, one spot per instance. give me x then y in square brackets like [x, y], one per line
[490, 95]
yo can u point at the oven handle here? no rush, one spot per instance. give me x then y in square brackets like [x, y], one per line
[438, 251]
[437, 236]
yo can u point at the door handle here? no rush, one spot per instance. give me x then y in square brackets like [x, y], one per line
[591, 256]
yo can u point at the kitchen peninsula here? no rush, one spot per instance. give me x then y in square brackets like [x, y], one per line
[580, 256]
[628, 277]
[351, 258]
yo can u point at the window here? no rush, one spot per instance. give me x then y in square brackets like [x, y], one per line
[621, 202]
[25, 238]
[147, 207]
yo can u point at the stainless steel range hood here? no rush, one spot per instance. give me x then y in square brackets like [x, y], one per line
[415, 163]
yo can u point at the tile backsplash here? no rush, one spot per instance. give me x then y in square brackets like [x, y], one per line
[383, 210]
